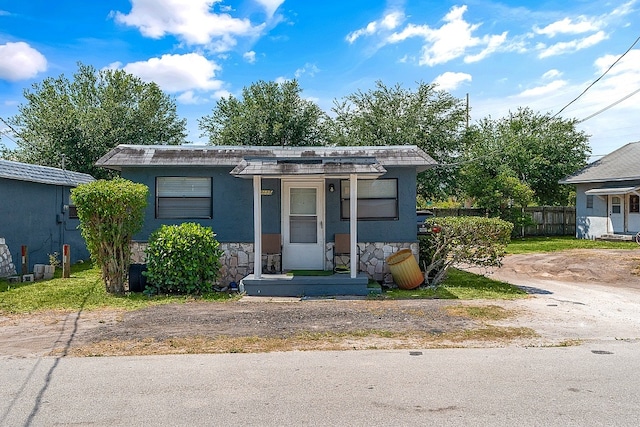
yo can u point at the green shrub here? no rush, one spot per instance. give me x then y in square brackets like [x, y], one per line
[110, 213]
[467, 240]
[182, 259]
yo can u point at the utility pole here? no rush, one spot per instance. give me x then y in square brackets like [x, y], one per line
[467, 110]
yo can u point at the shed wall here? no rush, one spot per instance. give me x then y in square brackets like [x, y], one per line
[33, 214]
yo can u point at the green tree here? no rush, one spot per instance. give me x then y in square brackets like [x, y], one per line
[524, 150]
[110, 213]
[432, 119]
[83, 118]
[269, 114]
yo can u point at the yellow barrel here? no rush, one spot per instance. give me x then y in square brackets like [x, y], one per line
[405, 270]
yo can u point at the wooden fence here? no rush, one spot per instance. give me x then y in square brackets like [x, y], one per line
[547, 220]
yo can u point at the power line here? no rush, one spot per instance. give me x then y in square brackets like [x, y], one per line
[598, 79]
[609, 106]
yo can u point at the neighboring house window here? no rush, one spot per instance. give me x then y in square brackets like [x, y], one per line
[183, 197]
[377, 199]
[73, 212]
[634, 204]
[590, 202]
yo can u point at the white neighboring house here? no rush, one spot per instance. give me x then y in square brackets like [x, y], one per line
[608, 194]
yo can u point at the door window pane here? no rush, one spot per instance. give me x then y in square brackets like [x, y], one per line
[302, 229]
[615, 204]
[303, 201]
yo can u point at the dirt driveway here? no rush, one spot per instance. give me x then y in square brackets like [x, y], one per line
[575, 297]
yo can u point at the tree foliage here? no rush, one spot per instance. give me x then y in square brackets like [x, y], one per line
[466, 240]
[83, 118]
[110, 213]
[182, 259]
[520, 158]
[268, 114]
[432, 119]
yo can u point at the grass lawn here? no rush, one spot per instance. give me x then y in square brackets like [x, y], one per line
[550, 244]
[461, 285]
[83, 290]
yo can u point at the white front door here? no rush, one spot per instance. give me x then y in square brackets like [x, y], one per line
[303, 225]
[616, 214]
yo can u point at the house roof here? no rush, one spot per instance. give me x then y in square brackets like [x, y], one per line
[331, 166]
[620, 165]
[201, 155]
[42, 174]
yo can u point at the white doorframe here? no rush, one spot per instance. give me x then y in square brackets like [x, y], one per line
[306, 255]
[616, 213]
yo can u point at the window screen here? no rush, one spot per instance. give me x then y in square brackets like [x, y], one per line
[377, 199]
[183, 197]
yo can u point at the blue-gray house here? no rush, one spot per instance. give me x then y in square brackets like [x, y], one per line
[608, 194]
[303, 197]
[36, 212]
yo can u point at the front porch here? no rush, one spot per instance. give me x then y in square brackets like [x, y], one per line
[617, 237]
[280, 285]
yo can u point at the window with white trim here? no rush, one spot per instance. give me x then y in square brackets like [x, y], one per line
[377, 199]
[634, 203]
[183, 197]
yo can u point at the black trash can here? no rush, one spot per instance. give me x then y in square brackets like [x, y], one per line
[137, 280]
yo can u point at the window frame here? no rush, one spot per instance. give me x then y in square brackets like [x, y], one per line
[590, 198]
[634, 203]
[185, 199]
[347, 200]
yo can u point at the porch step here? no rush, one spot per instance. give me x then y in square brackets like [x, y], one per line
[616, 237]
[282, 285]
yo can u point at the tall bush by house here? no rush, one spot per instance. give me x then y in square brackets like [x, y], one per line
[474, 241]
[182, 259]
[110, 213]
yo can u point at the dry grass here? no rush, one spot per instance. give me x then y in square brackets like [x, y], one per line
[485, 312]
[359, 340]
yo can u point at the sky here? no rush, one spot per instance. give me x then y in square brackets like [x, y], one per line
[502, 55]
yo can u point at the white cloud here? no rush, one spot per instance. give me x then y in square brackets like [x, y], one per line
[189, 97]
[19, 61]
[493, 43]
[450, 80]
[572, 46]
[549, 88]
[629, 63]
[568, 26]
[552, 74]
[281, 80]
[191, 21]
[270, 6]
[452, 40]
[309, 69]
[388, 22]
[178, 73]
[250, 56]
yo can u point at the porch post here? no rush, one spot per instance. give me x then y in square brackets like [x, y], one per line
[257, 226]
[353, 223]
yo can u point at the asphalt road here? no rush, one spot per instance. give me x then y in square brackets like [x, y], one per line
[589, 385]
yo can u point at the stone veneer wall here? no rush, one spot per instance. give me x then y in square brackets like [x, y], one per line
[7, 268]
[372, 258]
[237, 259]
